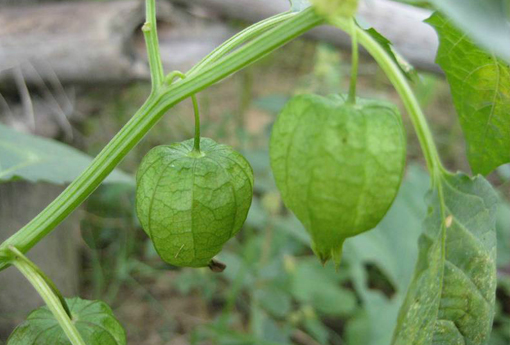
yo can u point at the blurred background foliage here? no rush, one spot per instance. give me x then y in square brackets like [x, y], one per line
[274, 291]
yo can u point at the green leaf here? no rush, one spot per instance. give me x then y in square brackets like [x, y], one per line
[37, 159]
[503, 233]
[480, 85]
[312, 284]
[274, 300]
[485, 21]
[316, 328]
[404, 66]
[93, 319]
[451, 297]
[377, 247]
[392, 248]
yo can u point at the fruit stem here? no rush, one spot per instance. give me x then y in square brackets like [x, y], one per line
[169, 80]
[196, 146]
[354, 65]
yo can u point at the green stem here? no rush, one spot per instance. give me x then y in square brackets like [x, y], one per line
[150, 34]
[169, 79]
[240, 38]
[354, 65]
[196, 146]
[400, 83]
[145, 118]
[49, 293]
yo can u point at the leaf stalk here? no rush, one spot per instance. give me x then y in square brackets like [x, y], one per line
[49, 293]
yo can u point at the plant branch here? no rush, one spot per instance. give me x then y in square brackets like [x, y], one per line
[242, 37]
[150, 34]
[146, 117]
[49, 293]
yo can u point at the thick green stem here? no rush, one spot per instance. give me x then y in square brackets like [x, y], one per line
[153, 109]
[240, 38]
[354, 65]
[49, 293]
[400, 83]
[150, 34]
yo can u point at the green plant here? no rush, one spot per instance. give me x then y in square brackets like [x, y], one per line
[451, 299]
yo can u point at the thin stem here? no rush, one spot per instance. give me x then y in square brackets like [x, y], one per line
[43, 275]
[145, 118]
[150, 34]
[354, 65]
[169, 79]
[46, 290]
[196, 146]
[240, 38]
[400, 83]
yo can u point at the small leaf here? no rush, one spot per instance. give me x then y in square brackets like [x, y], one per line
[480, 85]
[486, 22]
[274, 300]
[404, 66]
[316, 328]
[37, 159]
[452, 295]
[312, 284]
[93, 319]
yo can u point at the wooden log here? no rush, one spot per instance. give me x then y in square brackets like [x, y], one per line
[90, 42]
[78, 41]
[57, 254]
[401, 24]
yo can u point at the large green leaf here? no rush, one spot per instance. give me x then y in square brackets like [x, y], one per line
[94, 320]
[480, 85]
[451, 298]
[503, 234]
[37, 159]
[486, 21]
[392, 248]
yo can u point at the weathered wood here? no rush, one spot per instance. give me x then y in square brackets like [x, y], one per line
[90, 42]
[77, 40]
[401, 24]
[57, 254]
